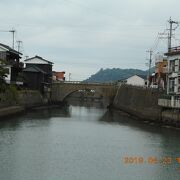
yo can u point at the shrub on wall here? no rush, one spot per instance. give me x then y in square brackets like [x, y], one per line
[9, 95]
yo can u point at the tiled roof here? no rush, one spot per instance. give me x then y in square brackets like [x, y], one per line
[10, 49]
[34, 69]
[139, 75]
[39, 58]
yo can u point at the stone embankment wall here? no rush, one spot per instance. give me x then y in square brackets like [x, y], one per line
[30, 98]
[171, 117]
[139, 102]
[26, 98]
[11, 110]
[13, 103]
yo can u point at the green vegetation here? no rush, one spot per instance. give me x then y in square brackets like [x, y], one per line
[3, 72]
[9, 96]
[8, 93]
[115, 74]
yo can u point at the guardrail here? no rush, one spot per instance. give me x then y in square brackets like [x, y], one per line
[81, 82]
[174, 49]
[169, 103]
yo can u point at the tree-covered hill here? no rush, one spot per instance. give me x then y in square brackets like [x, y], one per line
[114, 74]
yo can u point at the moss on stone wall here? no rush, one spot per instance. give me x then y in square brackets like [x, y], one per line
[9, 96]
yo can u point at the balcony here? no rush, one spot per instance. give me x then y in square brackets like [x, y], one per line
[173, 51]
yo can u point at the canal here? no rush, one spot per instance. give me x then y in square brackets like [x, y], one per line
[85, 142]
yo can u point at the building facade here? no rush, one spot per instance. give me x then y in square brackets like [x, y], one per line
[11, 62]
[37, 73]
[161, 70]
[173, 57]
[137, 80]
[173, 79]
[58, 76]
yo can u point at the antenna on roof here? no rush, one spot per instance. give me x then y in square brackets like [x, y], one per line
[19, 45]
[13, 32]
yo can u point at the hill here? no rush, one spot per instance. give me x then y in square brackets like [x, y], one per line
[115, 74]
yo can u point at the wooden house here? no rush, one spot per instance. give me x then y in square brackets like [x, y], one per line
[37, 73]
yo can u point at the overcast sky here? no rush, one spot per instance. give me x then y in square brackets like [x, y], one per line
[82, 36]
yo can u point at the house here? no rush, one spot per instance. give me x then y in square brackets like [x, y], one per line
[59, 76]
[37, 73]
[11, 62]
[137, 80]
[34, 78]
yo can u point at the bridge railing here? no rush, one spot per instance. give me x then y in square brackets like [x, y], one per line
[81, 82]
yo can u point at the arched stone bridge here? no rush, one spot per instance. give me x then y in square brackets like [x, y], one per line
[61, 90]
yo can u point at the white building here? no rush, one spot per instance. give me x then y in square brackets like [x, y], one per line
[174, 71]
[137, 80]
[173, 79]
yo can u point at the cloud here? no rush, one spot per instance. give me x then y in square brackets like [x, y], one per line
[83, 36]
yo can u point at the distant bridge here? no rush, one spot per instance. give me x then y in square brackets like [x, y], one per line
[61, 90]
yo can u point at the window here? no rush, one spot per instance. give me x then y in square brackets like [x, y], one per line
[172, 66]
[3, 55]
[171, 85]
[179, 89]
[7, 70]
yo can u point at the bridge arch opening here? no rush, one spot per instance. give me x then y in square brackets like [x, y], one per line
[85, 93]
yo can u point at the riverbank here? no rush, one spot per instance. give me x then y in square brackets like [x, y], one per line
[11, 110]
[20, 102]
[138, 101]
[25, 100]
[143, 104]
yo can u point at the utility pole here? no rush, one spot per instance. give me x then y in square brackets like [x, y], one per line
[19, 45]
[171, 22]
[150, 62]
[13, 32]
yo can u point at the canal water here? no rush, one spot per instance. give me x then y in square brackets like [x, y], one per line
[85, 142]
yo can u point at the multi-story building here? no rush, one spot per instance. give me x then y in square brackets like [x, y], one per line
[173, 57]
[173, 79]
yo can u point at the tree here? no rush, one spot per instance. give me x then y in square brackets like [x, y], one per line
[3, 73]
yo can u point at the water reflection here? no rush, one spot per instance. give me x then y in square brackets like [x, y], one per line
[83, 142]
[162, 142]
[89, 104]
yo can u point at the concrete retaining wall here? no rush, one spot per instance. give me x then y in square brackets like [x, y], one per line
[30, 98]
[139, 102]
